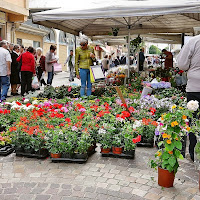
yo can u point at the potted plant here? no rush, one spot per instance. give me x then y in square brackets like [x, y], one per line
[117, 144]
[82, 145]
[105, 139]
[53, 140]
[173, 125]
[129, 145]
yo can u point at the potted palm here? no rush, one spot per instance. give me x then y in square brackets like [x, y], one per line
[172, 127]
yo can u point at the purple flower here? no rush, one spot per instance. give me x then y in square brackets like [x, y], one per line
[157, 132]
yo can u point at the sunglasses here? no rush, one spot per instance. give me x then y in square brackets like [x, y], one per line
[83, 45]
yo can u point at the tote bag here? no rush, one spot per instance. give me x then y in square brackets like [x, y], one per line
[96, 73]
[57, 67]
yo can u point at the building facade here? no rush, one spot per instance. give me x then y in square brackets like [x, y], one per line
[12, 13]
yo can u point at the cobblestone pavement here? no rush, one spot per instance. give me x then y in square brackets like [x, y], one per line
[100, 178]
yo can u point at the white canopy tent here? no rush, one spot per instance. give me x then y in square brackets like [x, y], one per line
[130, 17]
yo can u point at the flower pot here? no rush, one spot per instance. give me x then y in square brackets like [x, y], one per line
[80, 155]
[131, 152]
[117, 150]
[42, 152]
[19, 149]
[107, 150]
[165, 178]
[31, 151]
[66, 155]
[55, 155]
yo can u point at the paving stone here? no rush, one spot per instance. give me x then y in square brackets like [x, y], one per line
[152, 196]
[180, 197]
[6, 185]
[112, 181]
[114, 187]
[42, 197]
[10, 190]
[26, 197]
[54, 185]
[102, 185]
[90, 195]
[139, 192]
[102, 197]
[65, 193]
[141, 181]
[101, 191]
[192, 190]
[90, 189]
[10, 197]
[37, 190]
[126, 195]
[126, 189]
[100, 165]
[101, 179]
[123, 183]
[107, 175]
[196, 197]
[66, 186]
[114, 171]
[52, 191]
[78, 194]
[77, 188]
[23, 190]
[56, 197]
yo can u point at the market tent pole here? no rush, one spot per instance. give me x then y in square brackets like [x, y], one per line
[129, 36]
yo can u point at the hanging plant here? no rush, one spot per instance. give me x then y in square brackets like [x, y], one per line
[115, 31]
[136, 42]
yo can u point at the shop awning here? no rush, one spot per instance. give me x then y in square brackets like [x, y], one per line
[147, 16]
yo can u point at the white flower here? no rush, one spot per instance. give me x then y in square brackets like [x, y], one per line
[35, 102]
[102, 131]
[26, 100]
[193, 105]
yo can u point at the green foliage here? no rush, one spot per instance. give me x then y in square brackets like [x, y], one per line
[154, 50]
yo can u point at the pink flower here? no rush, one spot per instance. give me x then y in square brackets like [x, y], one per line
[161, 124]
[82, 109]
[69, 89]
[74, 128]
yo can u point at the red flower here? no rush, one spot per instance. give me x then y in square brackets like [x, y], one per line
[131, 109]
[137, 139]
[124, 105]
[68, 120]
[18, 103]
[69, 89]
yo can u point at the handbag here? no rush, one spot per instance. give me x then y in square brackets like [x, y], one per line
[57, 67]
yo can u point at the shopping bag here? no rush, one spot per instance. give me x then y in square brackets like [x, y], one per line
[35, 83]
[91, 76]
[57, 67]
[96, 73]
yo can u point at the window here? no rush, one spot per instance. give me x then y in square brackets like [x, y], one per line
[19, 41]
[36, 44]
[50, 37]
[62, 37]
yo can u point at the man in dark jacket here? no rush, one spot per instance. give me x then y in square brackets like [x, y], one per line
[141, 60]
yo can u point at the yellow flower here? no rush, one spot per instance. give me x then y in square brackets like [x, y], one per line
[181, 108]
[174, 106]
[168, 136]
[169, 141]
[162, 118]
[158, 153]
[184, 117]
[175, 123]
[172, 124]
[176, 138]
[170, 152]
[188, 128]
[164, 135]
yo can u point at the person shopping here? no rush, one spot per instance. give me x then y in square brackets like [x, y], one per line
[105, 64]
[40, 64]
[27, 70]
[71, 61]
[188, 60]
[84, 58]
[14, 77]
[49, 61]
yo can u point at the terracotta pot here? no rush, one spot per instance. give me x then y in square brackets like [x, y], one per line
[107, 150]
[117, 150]
[55, 155]
[165, 178]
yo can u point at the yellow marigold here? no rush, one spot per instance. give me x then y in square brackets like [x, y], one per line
[165, 135]
[158, 153]
[170, 152]
[174, 106]
[175, 123]
[188, 128]
[169, 141]
[181, 108]
[168, 136]
[172, 124]
[176, 138]
[184, 117]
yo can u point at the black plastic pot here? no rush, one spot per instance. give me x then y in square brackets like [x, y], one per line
[131, 152]
[42, 152]
[31, 151]
[146, 142]
[19, 149]
[2, 128]
[66, 155]
[80, 156]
